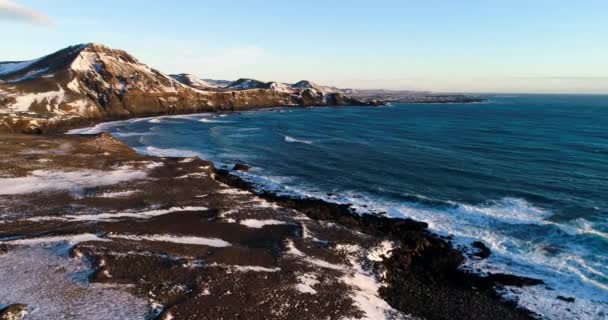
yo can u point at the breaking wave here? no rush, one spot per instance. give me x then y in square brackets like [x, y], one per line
[206, 120]
[161, 152]
[293, 140]
[473, 177]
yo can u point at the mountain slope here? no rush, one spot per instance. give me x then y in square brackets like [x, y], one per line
[193, 81]
[244, 84]
[305, 84]
[92, 83]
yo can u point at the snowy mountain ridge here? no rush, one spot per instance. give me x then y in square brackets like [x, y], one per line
[92, 82]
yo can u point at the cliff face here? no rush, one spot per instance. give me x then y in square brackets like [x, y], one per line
[91, 83]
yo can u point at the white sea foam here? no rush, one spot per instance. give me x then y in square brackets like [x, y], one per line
[168, 152]
[99, 128]
[584, 226]
[523, 238]
[292, 140]
[499, 224]
[131, 134]
[107, 126]
[207, 120]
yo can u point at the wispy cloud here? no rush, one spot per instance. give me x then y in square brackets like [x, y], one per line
[10, 10]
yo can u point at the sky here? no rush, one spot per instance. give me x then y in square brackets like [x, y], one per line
[539, 46]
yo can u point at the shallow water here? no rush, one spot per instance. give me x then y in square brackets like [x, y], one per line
[528, 175]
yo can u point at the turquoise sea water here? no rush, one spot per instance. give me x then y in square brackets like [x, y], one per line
[526, 174]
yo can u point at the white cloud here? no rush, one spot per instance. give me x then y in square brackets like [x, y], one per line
[10, 10]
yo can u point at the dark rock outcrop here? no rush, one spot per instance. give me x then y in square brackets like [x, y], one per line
[241, 167]
[483, 252]
[4, 248]
[13, 312]
[423, 268]
[566, 299]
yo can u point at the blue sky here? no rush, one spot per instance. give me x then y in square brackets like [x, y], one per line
[464, 46]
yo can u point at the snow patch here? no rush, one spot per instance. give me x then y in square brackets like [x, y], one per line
[306, 283]
[81, 105]
[119, 194]
[24, 102]
[384, 249]
[211, 242]
[44, 180]
[232, 191]
[69, 239]
[254, 223]
[365, 288]
[112, 216]
[74, 85]
[254, 269]
[281, 87]
[53, 286]
[292, 250]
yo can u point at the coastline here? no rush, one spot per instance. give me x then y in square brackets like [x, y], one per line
[421, 264]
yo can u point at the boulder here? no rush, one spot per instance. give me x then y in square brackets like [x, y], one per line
[483, 252]
[241, 167]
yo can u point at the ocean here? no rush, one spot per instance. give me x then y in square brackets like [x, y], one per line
[525, 174]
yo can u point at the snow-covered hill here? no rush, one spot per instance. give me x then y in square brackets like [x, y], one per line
[193, 81]
[80, 80]
[245, 84]
[91, 82]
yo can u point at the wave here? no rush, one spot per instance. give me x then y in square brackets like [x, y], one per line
[99, 128]
[161, 152]
[292, 140]
[131, 134]
[523, 240]
[584, 226]
[206, 120]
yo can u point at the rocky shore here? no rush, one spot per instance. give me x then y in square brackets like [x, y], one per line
[93, 230]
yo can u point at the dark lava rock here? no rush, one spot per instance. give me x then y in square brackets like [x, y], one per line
[566, 299]
[241, 167]
[422, 269]
[4, 248]
[512, 280]
[483, 252]
[13, 312]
